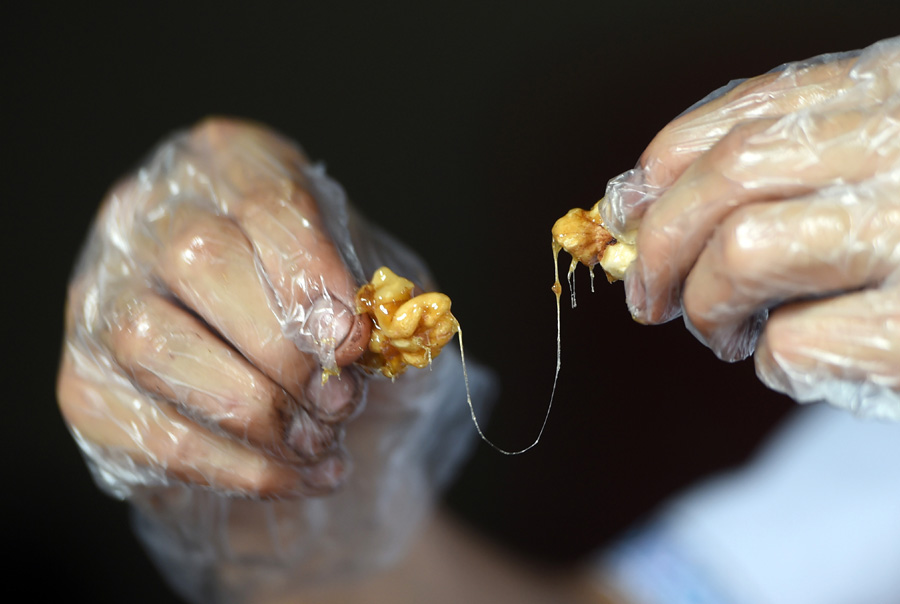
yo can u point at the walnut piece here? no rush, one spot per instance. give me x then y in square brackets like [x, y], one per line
[581, 233]
[406, 329]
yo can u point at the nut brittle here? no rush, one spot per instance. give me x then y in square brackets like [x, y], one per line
[407, 329]
[582, 234]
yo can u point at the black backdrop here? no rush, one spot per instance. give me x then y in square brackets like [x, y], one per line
[468, 129]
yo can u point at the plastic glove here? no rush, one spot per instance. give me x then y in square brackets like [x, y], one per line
[769, 215]
[217, 284]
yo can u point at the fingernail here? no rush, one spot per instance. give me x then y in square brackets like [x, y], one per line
[309, 438]
[324, 476]
[738, 342]
[330, 322]
[624, 197]
[356, 342]
[635, 293]
[338, 398]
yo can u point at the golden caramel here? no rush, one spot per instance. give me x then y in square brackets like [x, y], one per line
[582, 234]
[406, 329]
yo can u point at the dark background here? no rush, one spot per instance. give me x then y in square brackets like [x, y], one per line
[465, 127]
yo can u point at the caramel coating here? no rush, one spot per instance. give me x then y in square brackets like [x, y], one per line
[581, 233]
[406, 329]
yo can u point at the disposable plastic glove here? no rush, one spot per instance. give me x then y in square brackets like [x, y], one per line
[769, 215]
[217, 285]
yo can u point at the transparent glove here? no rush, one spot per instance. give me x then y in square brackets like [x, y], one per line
[769, 215]
[216, 287]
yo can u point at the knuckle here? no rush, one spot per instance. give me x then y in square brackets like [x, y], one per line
[732, 147]
[733, 245]
[131, 327]
[259, 417]
[200, 245]
[136, 341]
[214, 127]
[661, 156]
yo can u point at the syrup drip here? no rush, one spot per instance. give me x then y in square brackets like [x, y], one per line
[570, 277]
[380, 361]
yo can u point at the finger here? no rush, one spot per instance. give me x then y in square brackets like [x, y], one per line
[845, 350]
[756, 161]
[338, 398]
[852, 81]
[683, 140]
[172, 355]
[208, 264]
[763, 254]
[140, 442]
[308, 277]
[263, 181]
[770, 95]
[240, 157]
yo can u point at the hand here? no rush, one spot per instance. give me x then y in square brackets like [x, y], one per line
[217, 285]
[207, 304]
[774, 209]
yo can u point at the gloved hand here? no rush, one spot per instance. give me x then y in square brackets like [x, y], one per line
[769, 214]
[208, 301]
[216, 287]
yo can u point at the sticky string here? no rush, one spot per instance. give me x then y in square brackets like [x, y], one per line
[556, 289]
